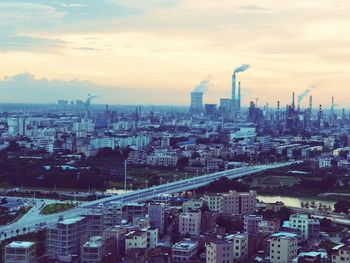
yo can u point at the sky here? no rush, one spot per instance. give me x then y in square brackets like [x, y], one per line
[158, 51]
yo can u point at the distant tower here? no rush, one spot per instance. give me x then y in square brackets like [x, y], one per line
[320, 117]
[233, 87]
[293, 101]
[239, 96]
[310, 104]
[196, 106]
[278, 111]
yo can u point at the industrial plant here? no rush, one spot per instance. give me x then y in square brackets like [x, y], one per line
[229, 108]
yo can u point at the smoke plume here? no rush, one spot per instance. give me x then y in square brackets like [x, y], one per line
[203, 86]
[241, 68]
[305, 93]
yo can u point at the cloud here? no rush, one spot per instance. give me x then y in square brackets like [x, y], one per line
[19, 19]
[256, 9]
[25, 87]
[15, 42]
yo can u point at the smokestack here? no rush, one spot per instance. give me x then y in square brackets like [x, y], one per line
[310, 103]
[239, 96]
[234, 86]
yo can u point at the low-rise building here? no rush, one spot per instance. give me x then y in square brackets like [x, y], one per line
[268, 227]
[135, 239]
[283, 247]
[93, 250]
[219, 251]
[341, 254]
[20, 252]
[190, 223]
[240, 244]
[184, 251]
[232, 202]
[251, 224]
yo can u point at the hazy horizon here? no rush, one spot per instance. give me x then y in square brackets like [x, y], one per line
[157, 51]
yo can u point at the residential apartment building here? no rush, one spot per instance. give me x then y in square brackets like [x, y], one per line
[251, 224]
[309, 228]
[184, 250]
[190, 223]
[192, 205]
[240, 244]
[93, 250]
[156, 214]
[268, 227]
[116, 236]
[341, 254]
[232, 202]
[152, 237]
[20, 252]
[65, 239]
[283, 247]
[135, 239]
[105, 216]
[219, 251]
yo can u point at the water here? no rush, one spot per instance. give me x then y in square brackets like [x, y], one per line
[292, 201]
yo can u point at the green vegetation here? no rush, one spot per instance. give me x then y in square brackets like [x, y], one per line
[224, 184]
[342, 207]
[57, 207]
[278, 181]
[308, 181]
[142, 177]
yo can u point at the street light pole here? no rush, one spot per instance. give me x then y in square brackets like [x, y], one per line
[125, 175]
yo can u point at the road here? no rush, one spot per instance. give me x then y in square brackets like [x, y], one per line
[335, 217]
[30, 223]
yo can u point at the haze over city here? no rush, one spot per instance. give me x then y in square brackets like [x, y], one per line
[156, 52]
[174, 131]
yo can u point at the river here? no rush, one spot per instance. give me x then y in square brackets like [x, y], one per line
[292, 201]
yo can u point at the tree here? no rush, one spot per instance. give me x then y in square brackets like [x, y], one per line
[342, 207]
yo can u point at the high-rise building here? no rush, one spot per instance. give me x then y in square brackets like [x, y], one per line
[65, 239]
[156, 213]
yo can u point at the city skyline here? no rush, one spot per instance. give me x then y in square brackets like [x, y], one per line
[156, 52]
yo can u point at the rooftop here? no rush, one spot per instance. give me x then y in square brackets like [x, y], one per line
[284, 235]
[20, 244]
[73, 220]
[186, 244]
[95, 241]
